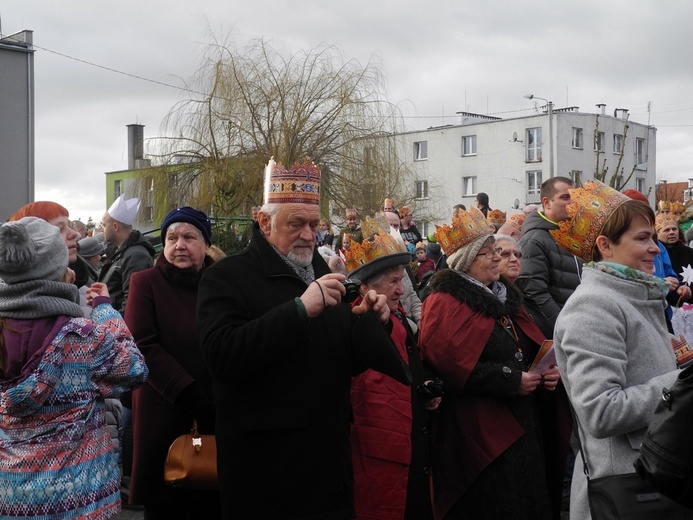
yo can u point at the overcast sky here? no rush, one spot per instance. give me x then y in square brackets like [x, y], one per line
[439, 57]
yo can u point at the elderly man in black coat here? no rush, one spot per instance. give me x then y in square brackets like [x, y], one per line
[282, 347]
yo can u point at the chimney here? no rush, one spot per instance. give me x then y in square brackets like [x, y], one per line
[135, 145]
[602, 107]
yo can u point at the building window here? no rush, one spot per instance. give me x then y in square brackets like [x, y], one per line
[533, 140]
[468, 186]
[469, 145]
[533, 183]
[576, 177]
[149, 213]
[618, 143]
[117, 189]
[424, 226]
[640, 151]
[421, 150]
[421, 189]
[577, 138]
[599, 142]
[640, 185]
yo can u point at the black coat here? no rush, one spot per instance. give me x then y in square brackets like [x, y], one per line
[282, 386]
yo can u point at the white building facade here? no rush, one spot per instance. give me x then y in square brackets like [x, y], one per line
[510, 158]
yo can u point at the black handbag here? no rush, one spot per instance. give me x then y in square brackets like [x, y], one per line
[627, 496]
[666, 454]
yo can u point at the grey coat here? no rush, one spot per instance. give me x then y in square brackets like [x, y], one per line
[615, 355]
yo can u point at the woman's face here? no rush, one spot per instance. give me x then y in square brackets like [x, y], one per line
[391, 286]
[184, 246]
[486, 265]
[510, 259]
[322, 226]
[68, 235]
[346, 243]
[637, 247]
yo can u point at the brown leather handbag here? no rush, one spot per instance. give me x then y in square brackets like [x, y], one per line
[192, 461]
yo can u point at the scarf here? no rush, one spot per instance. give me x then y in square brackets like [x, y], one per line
[39, 299]
[496, 288]
[657, 286]
[307, 274]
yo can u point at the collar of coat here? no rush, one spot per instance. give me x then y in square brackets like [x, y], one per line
[477, 298]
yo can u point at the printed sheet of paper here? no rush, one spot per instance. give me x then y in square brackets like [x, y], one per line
[546, 358]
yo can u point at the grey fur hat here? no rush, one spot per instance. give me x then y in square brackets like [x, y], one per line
[31, 249]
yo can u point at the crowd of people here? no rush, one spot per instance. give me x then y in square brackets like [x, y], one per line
[370, 373]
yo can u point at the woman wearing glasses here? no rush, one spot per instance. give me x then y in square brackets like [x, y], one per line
[488, 456]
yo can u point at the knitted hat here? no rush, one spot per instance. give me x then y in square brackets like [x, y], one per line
[124, 210]
[89, 247]
[636, 195]
[31, 249]
[300, 184]
[192, 216]
[433, 250]
[462, 259]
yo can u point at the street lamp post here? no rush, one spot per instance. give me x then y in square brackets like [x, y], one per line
[549, 104]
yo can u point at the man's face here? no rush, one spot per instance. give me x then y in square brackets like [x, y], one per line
[669, 234]
[556, 208]
[292, 231]
[109, 232]
[393, 219]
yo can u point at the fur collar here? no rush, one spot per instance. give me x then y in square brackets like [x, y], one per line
[476, 298]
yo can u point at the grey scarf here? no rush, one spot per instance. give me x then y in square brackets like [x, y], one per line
[499, 290]
[39, 299]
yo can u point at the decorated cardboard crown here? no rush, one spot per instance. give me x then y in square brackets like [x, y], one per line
[496, 217]
[300, 184]
[664, 205]
[515, 220]
[663, 220]
[589, 210]
[466, 227]
[376, 252]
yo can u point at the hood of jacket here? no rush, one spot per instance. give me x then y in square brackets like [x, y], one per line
[134, 239]
[477, 298]
[537, 220]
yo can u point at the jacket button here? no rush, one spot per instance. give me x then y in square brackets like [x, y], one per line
[425, 470]
[425, 430]
[507, 371]
[342, 490]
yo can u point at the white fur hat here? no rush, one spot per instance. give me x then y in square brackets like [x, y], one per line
[124, 210]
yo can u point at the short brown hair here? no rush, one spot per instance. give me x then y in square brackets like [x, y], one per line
[548, 187]
[621, 219]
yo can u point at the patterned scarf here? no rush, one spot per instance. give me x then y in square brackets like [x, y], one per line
[307, 274]
[657, 286]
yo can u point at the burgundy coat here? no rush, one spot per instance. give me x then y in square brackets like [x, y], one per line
[161, 316]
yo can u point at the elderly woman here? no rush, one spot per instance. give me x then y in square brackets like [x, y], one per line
[161, 316]
[614, 373]
[56, 368]
[488, 454]
[390, 434]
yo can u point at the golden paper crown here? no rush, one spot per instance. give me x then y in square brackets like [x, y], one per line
[515, 220]
[589, 210]
[496, 217]
[466, 227]
[664, 205]
[300, 184]
[664, 220]
[377, 243]
[677, 208]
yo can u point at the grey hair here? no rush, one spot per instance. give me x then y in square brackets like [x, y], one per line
[378, 278]
[175, 225]
[503, 236]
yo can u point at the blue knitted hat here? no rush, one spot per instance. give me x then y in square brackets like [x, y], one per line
[192, 216]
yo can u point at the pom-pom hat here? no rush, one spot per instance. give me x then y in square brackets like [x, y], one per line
[191, 216]
[589, 209]
[376, 253]
[31, 249]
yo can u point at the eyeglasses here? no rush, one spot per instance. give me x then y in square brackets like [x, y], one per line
[507, 253]
[490, 254]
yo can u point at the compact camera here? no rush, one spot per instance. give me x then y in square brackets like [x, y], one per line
[431, 388]
[352, 290]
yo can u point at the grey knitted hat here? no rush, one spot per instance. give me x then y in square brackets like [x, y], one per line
[461, 260]
[89, 247]
[31, 249]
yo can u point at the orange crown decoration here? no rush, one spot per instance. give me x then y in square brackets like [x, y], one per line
[515, 220]
[300, 184]
[466, 227]
[664, 220]
[496, 217]
[589, 209]
[378, 244]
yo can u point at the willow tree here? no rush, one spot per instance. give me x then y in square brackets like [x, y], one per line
[249, 104]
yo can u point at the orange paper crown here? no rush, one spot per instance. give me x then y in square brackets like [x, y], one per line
[466, 227]
[496, 217]
[378, 244]
[589, 210]
[300, 184]
[664, 220]
[515, 220]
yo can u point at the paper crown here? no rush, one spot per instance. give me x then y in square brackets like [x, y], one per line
[677, 208]
[664, 205]
[496, 217]
[515, 220]
[124, 210]
[664, 220]
[589, 210]
[466, 227]
[375, 253]
[299, 185]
